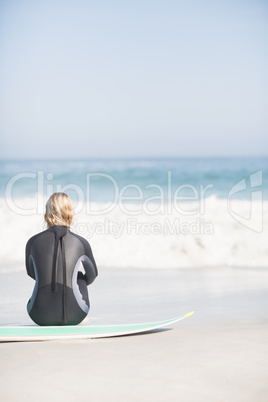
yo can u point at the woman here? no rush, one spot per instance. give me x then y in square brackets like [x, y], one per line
[53, 259]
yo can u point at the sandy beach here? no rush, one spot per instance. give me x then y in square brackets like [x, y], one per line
[218, 354]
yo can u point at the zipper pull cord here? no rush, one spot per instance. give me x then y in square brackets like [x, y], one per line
[64, 281]
[54, 266]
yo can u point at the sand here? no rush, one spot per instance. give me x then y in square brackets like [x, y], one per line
[218, 354]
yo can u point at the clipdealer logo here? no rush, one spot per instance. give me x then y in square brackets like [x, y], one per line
[166, 199]
[169, 201]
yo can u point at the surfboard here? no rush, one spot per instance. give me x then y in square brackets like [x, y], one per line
[36, 333]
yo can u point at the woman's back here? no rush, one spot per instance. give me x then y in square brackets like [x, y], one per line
[56, 259]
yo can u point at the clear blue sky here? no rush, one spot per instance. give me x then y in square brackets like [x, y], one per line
[133, 78]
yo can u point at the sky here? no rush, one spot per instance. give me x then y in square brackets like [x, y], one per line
[112, 79]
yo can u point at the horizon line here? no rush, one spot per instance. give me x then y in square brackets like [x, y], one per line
[118, 158]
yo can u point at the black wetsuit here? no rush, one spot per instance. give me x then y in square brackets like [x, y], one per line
[62, 265]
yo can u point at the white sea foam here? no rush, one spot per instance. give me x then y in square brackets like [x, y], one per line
[151, 236]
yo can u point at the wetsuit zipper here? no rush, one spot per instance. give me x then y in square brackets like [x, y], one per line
[54, 266]
[64, 281]
[59, 242]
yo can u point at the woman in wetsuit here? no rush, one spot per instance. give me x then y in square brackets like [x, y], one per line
[62, 265]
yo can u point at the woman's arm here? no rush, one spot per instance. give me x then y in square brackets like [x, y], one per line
[89, 263]
[28, 259]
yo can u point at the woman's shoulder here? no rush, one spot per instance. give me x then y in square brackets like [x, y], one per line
[81, 239]
[37, 235]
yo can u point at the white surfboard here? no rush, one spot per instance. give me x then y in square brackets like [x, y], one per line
[44, 333]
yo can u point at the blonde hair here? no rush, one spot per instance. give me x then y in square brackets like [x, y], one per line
[59, 210]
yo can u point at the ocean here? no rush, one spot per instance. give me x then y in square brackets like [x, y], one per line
[144, 213]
